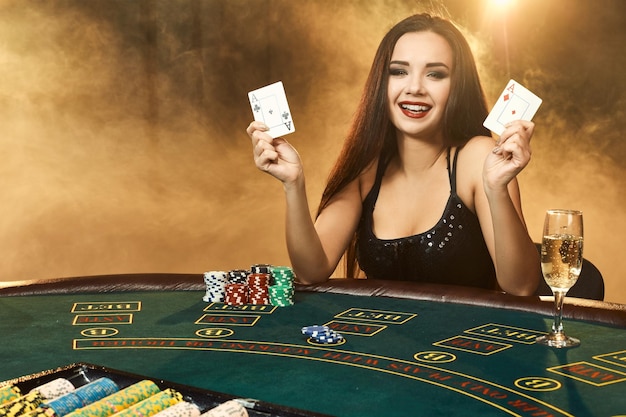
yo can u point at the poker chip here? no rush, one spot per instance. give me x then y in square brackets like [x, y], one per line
[82, 396]
[55, 388]
[238, 276]
[153, 404]
[103, 398]
[40, 412]
[9, 393]
[282, 275]
[261, 269]
[231, 408]
[263, 284]
[236, 294]
[258, 288]
[258, 279]
[21, 405]
[215, 283]
[322, 334]
[118, 401]
[329, 339]
[181, 409]
[281, 291]
[315, 330]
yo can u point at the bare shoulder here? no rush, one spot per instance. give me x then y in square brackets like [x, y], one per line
[470, 164]
[472, 155]
[356, 190]
[478, 145]
[367, 178]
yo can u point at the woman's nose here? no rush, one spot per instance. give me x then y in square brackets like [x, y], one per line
[415, 85]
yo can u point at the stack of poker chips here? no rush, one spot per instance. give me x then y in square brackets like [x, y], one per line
[258, 288]
[230, 408]
[236, 294]
[215, 282]
[9, 393]
[142, 399]
[322, 334]
[57, 398]
[282, 288]
[181, 409]
[55, 388]
[261, 269]
[262, 284]
[153, 404]
[238, 276]
[237, 287]
[22, 404]
[118, 401]
[81, 397]
[15, 404]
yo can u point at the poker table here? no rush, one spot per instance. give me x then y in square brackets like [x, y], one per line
[408, 348]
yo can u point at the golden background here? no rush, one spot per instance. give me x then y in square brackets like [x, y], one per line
[122, 123]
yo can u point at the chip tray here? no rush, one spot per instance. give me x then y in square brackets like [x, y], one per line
[82, 373]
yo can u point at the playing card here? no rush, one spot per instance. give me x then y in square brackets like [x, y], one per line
[515, 103]
[269, 105]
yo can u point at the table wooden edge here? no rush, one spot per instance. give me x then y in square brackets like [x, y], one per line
[612, 314]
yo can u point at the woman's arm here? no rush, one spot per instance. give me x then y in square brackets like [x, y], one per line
[314, 248]
[498, 206]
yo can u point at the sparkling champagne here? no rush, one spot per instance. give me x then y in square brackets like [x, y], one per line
[561, 260]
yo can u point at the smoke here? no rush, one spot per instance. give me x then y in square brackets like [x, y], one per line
[123, 123]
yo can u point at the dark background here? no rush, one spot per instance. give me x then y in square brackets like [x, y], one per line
[122, 123]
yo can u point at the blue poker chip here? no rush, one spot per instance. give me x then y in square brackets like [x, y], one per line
[329, 341]
[322, 334]
[64, 404]
[332, 338]
[315, 330]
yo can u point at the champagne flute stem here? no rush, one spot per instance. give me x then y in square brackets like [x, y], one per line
[557, 326]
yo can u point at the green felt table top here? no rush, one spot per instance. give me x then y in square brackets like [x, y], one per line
[400, 357]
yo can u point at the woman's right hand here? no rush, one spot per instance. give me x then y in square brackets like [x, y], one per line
[274, 155]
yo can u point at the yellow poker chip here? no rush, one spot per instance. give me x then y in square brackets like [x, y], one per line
[181, 409]
[21, 405]
[118, 401]
[154, 404]
[9, 393]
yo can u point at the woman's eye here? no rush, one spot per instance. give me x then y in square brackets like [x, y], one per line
[437, 75]
[397, 71]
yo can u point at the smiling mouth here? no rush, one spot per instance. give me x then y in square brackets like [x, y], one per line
[415, 110]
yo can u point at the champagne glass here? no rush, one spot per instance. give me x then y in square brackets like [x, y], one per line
[561, 262]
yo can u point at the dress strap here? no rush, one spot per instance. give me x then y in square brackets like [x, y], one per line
[452, 172]
[380, 173]
[370, 199]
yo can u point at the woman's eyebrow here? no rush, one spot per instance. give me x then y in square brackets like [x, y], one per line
[436, 64]
[405, 63]
[429, 65]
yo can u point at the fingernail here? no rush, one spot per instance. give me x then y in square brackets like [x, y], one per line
[496, 149]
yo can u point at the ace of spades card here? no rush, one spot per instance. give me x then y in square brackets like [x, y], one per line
[515, 103]
[269, 105]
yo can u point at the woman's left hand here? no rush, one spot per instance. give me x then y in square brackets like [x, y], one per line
[510, 156]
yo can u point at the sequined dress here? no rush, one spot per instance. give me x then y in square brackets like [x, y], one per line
[451, 252]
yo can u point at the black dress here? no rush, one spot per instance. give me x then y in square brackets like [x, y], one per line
[451, 252]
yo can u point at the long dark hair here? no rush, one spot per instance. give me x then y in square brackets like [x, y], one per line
[372, 134]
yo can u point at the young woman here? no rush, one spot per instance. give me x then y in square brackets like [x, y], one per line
[420, 190]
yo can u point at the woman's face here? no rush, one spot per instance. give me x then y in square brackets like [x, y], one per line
[419, 84]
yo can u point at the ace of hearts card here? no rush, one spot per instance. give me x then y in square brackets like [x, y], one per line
[515, 103]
